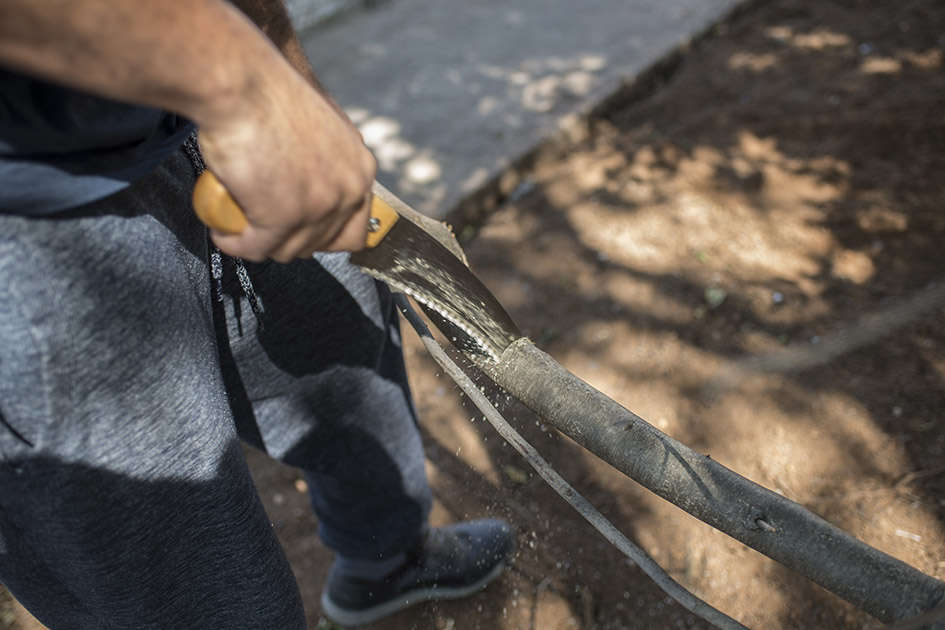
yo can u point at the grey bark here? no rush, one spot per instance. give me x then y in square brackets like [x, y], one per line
[567, 492]
[781, 529]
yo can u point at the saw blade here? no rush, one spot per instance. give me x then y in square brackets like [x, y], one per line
[411, 261]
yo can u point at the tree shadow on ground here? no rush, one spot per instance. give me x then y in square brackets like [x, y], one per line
[783, 181]
[561, 561]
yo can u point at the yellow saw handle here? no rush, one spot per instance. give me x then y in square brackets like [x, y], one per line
[219, 211]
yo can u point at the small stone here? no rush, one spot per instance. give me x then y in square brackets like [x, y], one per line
[515, 475]
[904, 534]
[714, 296]
[524, 187]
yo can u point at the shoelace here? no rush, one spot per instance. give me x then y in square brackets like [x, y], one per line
[192, 149]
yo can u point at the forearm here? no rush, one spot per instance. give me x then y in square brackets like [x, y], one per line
[200, 58]
[298, 167]
[272, 19]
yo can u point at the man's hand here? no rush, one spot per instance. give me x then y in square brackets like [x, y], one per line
[335, 137]
[296, 165]
[298, 168]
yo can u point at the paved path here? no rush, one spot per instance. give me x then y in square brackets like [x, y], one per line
[448, 92]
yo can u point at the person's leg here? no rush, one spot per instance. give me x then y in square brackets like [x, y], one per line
[324, 381]
[124, 498]
[325, 389]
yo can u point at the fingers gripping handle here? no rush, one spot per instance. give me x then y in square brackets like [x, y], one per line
[219, 211]
[383, 218]
[215, 207]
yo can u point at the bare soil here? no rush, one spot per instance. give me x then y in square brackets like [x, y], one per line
[778, 190]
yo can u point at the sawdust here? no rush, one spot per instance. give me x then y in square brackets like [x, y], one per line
[412, 262]
[781, 183]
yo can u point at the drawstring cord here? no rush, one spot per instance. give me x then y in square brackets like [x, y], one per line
[192, 149]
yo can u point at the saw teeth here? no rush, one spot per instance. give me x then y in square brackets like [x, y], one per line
[480, 341]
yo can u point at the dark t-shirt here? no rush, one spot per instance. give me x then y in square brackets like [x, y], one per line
[61, 148]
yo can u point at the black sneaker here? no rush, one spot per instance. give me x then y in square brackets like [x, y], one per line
[451, 562]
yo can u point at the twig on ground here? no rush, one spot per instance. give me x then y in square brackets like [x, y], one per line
[656, 573]
[802, 356]
[916, 475]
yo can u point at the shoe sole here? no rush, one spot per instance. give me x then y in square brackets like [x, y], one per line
[347, 617]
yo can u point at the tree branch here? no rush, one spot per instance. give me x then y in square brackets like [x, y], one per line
[765, 521]
[607, 529]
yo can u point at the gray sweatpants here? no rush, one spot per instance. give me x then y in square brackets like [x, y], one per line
[125, 385]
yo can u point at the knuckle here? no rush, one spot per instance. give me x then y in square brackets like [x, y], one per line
[370, 167]
[240, 248]
[249, 254]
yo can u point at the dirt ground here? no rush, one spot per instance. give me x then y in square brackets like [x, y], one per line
[778, 191]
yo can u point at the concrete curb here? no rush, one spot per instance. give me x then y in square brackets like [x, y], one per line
[473, 210]
[450, 94]
[306, 14]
